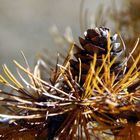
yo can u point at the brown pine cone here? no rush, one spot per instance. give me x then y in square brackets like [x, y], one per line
[95, 41]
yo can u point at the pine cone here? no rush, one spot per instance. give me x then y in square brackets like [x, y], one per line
[95, 41]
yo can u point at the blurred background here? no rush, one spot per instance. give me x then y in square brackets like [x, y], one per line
[25, 24]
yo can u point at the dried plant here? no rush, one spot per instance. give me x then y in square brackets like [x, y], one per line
[103, 105]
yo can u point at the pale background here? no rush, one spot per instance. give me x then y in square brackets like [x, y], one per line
[25, 24]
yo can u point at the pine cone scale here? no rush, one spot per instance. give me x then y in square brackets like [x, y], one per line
[100, 41]
[84, 66]
[84, 57]
[90, 48]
